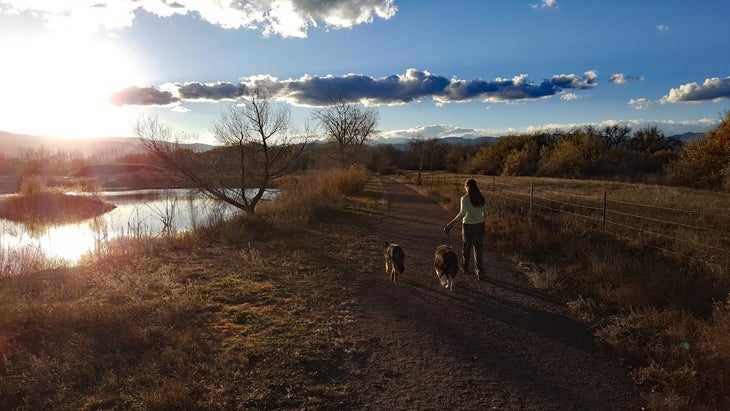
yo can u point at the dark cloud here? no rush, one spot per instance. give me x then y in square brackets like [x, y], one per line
[396, 89]
[143, 96]
[344, 13]
[621, 78]
[414, 85]
[712, 89]
[215, 91]
[572, 81]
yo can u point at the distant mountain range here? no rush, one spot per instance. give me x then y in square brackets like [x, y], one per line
[13, 144]
[689, 136]
[401, 143]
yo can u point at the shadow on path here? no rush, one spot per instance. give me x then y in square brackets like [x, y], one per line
[494, 344]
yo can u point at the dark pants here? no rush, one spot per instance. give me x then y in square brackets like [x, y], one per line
[473, 237]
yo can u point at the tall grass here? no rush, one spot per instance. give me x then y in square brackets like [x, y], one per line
[308, 197]
[665, 313]
[25, 259]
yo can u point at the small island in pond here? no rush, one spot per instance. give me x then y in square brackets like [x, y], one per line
[52, 208]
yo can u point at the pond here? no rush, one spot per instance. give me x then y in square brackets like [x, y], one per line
[138, 213]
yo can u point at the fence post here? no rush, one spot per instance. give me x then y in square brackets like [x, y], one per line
[531, 190]
[603, 226]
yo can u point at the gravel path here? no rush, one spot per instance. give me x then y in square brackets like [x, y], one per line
[495, 344]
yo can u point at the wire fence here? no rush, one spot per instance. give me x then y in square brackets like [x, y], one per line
[688, 234]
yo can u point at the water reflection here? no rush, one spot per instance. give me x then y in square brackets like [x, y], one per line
[138, 213]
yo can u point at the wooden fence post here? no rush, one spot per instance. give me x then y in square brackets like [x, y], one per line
[604, 212]
[531, 191]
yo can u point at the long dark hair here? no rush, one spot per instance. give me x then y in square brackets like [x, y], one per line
[475, 196]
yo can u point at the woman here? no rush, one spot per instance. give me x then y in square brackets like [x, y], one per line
[472, 214]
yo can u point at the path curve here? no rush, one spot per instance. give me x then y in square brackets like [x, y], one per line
[495, 344]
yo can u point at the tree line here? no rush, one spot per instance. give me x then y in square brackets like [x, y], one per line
[612, 153]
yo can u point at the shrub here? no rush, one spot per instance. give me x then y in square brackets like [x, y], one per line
[514, 155]
[32, 185]
[704, 163]
[305, 196]
[576, 155]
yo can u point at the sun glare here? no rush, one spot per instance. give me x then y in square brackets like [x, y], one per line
[60, 86]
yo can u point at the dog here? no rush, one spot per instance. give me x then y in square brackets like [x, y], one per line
[394, 260]
[446, 263]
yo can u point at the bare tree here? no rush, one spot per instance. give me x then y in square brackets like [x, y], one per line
[256, 149]
[427, 151]
[349, 125]
[616, 135]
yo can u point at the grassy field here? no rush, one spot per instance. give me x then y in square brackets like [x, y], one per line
[250, 313]
[247, 314]
[649, 296]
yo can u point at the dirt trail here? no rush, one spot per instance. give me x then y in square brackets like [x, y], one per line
[495, 344]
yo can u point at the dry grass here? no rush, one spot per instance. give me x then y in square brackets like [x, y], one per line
[26, 259]
[240, 316]
[48, 208]
[308, 197]
[37, 205]
[667, 312]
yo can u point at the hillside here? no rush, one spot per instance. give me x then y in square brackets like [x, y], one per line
[13, 144]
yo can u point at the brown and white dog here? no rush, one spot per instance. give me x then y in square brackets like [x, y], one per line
[446, 263]
[394, 260]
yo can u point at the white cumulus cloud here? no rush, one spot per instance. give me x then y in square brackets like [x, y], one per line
[713, 89]
[545, 4]
[286, 18]
[639, 103]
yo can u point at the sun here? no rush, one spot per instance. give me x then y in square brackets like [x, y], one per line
[60, 85]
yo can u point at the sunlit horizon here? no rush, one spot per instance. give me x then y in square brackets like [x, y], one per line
[63, 85]
[82, 70]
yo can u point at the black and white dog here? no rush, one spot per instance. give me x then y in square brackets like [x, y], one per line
[394, 260]
[446, 263]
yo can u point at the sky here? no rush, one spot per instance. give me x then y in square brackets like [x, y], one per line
[436, 68]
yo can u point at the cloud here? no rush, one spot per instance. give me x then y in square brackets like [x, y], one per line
[143, 96]
[545, 4]
[286, 18]
[412, 86]
[713, 89]
[436, 131]
[212, 91]
[668, 127]
[639, 103]
[662, 27]
[181, 109]
[569, 96]
[621, 78]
